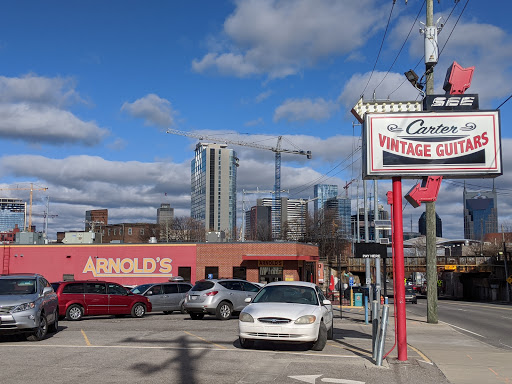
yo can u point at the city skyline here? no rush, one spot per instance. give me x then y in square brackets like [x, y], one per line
[89, 90]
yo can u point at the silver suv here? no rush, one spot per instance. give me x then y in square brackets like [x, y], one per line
[28, 305]
[219, 297]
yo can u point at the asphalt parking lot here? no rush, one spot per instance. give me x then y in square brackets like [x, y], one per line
[175, 349]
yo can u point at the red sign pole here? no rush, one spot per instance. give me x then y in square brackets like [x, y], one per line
[398, 246]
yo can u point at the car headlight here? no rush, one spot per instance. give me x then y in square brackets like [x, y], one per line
[23, 307]
[308, 319]
[246, 318]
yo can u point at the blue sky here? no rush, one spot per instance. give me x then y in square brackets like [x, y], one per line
[88, 89]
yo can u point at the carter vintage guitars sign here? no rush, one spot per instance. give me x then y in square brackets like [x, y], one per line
[454, 144]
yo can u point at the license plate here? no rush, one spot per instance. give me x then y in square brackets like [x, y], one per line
[193, 297]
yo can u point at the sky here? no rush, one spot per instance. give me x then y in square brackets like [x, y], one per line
[88, 90]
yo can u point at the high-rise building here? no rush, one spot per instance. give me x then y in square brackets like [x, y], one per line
[293, 218]
[259, 224]
[323, 195]
[480, 213]
[326, 200]
[12, 213]
[213, 188]
[422, 225]
[164, 218]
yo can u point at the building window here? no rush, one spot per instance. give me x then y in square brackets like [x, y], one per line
[115, 230]
[211, 272]
[142, 231]
[129, 231]
[185, 272]
[109, 231]
[240, 273]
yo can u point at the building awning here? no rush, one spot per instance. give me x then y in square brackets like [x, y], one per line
[280, 257]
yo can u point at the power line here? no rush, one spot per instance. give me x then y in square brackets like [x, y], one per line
[504, 102]
[381, 45]
[402, 47]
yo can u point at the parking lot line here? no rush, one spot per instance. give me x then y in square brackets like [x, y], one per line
[209, 342]
[87, 342]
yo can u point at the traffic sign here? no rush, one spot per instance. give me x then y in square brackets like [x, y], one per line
[509, 280]
[351, 281]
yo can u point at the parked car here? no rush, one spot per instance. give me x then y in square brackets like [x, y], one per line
[410, 295]
[28, 305]
[92, 297]
[166, 297]
[291, 311]
[219, 297]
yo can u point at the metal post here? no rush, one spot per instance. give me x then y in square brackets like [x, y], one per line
[377, 260]
[382, 337]
[375, 327]
[367, 262]
[398, 245]
[507, 293]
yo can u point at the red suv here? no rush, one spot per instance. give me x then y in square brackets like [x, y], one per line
[92, 297]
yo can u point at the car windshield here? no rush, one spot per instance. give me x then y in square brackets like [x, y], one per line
[17, 286]
[287, 294]
[140, 289]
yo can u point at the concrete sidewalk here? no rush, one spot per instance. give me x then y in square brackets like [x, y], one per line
[461, 358]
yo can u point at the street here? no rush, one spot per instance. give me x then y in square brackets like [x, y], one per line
[488, 322]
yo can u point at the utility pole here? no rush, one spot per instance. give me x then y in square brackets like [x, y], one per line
[430, 209]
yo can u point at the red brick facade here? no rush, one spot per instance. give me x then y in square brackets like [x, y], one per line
[225, 256]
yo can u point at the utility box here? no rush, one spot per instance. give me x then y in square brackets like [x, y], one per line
[358, 299]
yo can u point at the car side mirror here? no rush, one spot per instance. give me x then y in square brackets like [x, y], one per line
[47, 290]
[248, 299]
[149, 293]
[326, 302]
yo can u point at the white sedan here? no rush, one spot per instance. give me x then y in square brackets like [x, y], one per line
[292, 311]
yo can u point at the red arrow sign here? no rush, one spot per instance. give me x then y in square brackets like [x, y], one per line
[424, 192]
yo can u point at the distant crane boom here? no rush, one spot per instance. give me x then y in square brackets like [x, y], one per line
[276, 202]
[31, 189]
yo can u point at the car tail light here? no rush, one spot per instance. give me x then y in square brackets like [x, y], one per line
[212, 293]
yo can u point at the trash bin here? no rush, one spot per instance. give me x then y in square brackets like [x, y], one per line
[358, 299]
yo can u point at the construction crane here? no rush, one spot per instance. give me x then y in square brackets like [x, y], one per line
[345, 187]
[276, 202]
[31, 189]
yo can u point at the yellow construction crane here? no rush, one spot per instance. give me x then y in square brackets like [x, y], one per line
[31, 189]
[276, 206]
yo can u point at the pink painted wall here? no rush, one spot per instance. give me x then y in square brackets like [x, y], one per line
[127, 264]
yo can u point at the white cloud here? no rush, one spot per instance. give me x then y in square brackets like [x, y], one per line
[47, 124]
[394, 86]
[282, 37]
[305, 109]
[36, 89]
[252, 123]
[153, 109]
[31, 110]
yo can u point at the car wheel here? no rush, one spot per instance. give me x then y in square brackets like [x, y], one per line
[54, 328]
[40, 331]
[224, 311]
[196, 316]
[74, 312]
[138, 310]
[330, 332]
[319, 344]
[246, 343]
[182, 308]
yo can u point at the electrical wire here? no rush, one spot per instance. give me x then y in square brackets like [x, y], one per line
[451, 32]
[504, 102]
[381, 45]
[402, 47]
